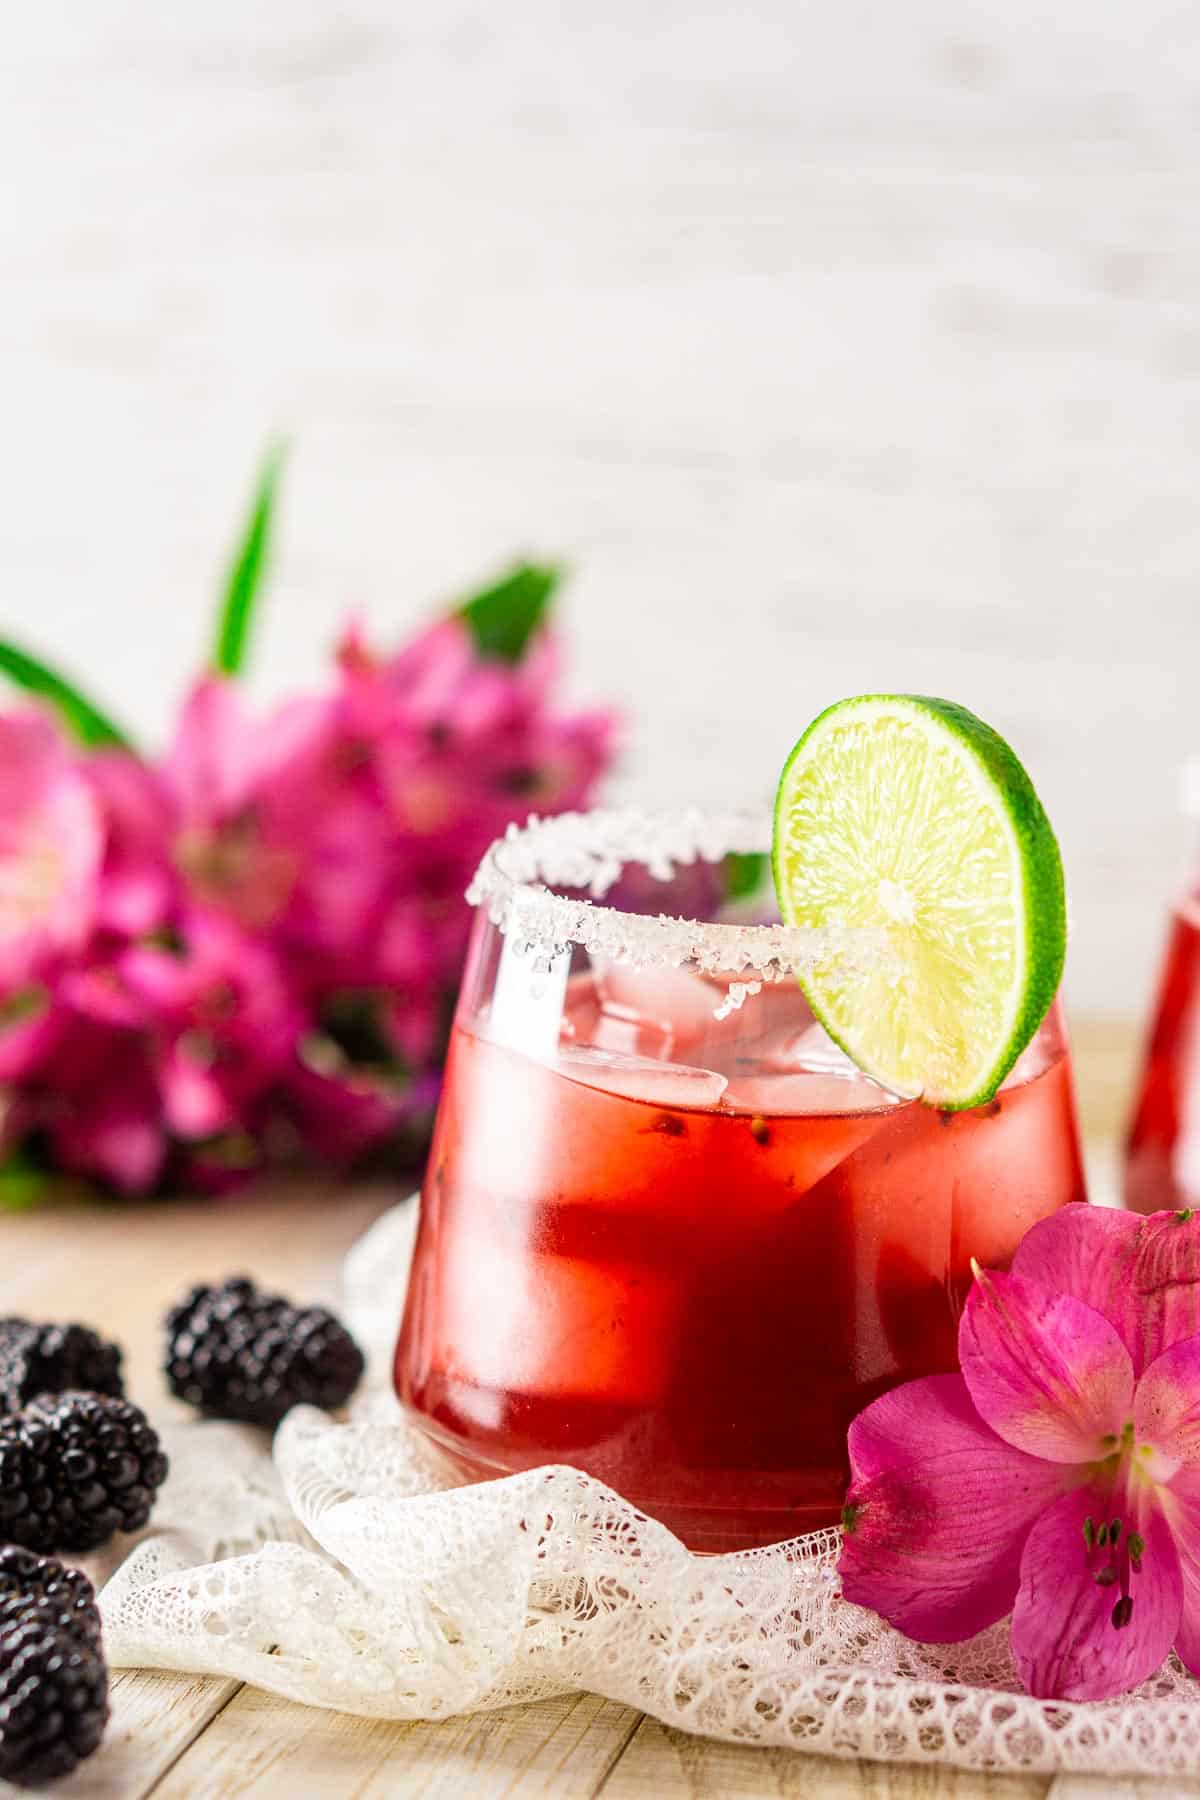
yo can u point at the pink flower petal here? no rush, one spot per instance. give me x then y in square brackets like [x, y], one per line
[428, 673]
[937, 1512]
[290, 740]
[194, 1102]
[159, 979]
[1047, 1372]
[51, 843]
[117, 1136]
[100, 994]
[138, 884]
[208, 768]
[338, 1120]
[1166, 1406]
[1064, 1638]
[889, 1431]
[25, 1044]
[1181, 1503]
[1143, 1274]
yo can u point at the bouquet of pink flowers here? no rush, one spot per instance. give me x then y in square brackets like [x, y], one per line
[246, 951]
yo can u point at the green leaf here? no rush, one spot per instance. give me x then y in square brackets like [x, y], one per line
[246, 572]
[85, 721]
[745, 872]
[504, 617]
[23, 1185]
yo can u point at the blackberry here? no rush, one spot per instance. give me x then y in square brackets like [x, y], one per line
[74, 1469]
[53, 1678]
[50, 1359]
[237, 1353]
[65, 1594]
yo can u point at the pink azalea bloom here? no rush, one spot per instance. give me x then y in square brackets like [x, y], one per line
[1058, 1477]
[51, 844]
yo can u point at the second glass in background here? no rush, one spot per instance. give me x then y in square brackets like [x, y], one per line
[1162, 1162]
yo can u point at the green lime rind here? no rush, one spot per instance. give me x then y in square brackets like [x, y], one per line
[908, 815]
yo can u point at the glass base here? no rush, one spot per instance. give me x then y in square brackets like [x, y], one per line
[708, 1529]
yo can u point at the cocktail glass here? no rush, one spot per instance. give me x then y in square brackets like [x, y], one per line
[669, 1234]
[1162, 1149]
[1162, 1159]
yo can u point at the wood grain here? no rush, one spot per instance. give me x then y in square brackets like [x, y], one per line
[1122, 1787]
[672, 1766]
[262, 1746]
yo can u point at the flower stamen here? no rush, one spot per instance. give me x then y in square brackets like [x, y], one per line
[1125, 1550]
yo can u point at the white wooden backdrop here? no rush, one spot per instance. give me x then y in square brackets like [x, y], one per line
[836, 345]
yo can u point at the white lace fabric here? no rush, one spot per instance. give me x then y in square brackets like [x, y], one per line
[344, 1568]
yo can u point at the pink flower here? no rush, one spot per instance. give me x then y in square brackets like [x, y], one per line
[111, 1129]
[51, 844]
[124, 1064]
[138, 885]
[250, 949]
[345, 829]
[462, 744]
[245, 798]
[1058, 1477]
[84, 1084]
[221, 1019]
[339, 1116]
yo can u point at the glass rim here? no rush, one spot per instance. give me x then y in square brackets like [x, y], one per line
[516, 881]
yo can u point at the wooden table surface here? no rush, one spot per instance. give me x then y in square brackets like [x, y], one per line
[184, 1739]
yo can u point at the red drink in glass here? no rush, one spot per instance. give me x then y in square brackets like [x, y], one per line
[683, 1241]
[1162, 1165]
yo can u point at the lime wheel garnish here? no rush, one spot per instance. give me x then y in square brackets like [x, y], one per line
[912, 820]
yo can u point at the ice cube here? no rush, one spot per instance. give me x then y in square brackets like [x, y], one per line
[555, 1325]
[808, 1050]
[812, 1093]
[675, 1001]
[641, 1077]
[581, 1009]
[796, 1071]
[517, 1133]
[629, 1033]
